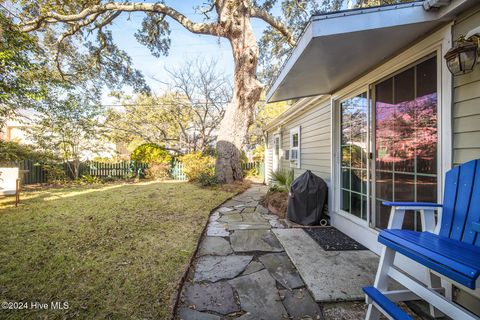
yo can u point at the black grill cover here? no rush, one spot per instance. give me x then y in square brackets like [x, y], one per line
[306, 199]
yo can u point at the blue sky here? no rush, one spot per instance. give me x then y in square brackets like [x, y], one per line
[184, 45]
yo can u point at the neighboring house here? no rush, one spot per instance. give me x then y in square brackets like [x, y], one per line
[384, 118]
[16, 129]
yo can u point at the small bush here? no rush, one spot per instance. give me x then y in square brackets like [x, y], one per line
[207, 179]
[158, 171]
[151, 153]
[55, 173]
[283, 179]
[196, 163]
[109, 179]
[88, 179]
[259, 153]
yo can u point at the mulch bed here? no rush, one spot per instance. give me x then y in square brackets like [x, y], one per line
[276, 202]
[331, 239]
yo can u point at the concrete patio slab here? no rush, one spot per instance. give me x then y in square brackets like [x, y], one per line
[217, 297]
[214, 268]
[282, 269]
[215, 246]
[259, 296]
[329, 275]
[254, 240]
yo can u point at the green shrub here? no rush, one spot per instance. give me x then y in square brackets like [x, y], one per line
[259, 153]
[151, 153]
[207, 179]
[13, 152]
[88, 179]
[252, 172]
[283, 179]
[196, 163]
[55, 173]
[158, 171]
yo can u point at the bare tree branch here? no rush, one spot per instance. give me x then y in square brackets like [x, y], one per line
[274, 22]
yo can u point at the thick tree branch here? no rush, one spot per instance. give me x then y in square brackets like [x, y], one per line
[54, 17]
[274, 22]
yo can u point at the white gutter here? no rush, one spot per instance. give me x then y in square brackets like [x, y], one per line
[435, 4]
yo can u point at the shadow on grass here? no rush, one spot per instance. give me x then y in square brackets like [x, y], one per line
[110, 251]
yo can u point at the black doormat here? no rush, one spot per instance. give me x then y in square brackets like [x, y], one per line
[331, 239]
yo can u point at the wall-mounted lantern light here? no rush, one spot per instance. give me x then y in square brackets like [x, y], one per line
[463, 56]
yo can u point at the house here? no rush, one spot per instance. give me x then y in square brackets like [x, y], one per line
[379, 115]
[16, 128]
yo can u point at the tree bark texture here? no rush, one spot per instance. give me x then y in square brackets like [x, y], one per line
[247, 89]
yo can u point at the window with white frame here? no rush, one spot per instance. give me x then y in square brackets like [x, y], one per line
[295, 147]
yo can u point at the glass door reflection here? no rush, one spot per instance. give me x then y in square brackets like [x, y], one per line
[406, 140]
[354, 155]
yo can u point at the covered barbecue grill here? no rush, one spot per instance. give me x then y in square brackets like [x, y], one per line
[307, 199]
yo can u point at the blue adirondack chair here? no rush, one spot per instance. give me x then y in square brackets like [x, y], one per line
[449, 249]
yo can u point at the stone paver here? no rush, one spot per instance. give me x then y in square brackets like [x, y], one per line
[217, 229]
[217, 297]
[189, 314]
[254, 240]
[282, 269]
[300, 304]
[214, 268]
[215, 246]
[233, 217]
[241, 268]
[254, 266]
[259, 296]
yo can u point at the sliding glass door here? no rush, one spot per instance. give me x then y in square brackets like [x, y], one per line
[399, 123]
[406, 139]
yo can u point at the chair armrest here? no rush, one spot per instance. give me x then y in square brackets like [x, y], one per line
[412, 205]
[427, 213]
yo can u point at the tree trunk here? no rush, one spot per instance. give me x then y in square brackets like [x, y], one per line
[247, 89]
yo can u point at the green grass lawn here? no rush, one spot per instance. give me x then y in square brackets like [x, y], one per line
[110, 251]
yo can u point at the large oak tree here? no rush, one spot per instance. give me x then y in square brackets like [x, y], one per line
[229, 19]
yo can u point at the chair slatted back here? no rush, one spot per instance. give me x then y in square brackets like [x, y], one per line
[461, 203]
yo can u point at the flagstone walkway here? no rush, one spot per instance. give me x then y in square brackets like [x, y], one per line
[241, 270]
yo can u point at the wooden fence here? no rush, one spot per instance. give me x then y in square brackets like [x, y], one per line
[36, 173]
[32, 172]
[177, 172]
[122, 169]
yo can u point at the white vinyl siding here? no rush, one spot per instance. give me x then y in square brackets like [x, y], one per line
[315, 146]
[466, 100]
[268, 157]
